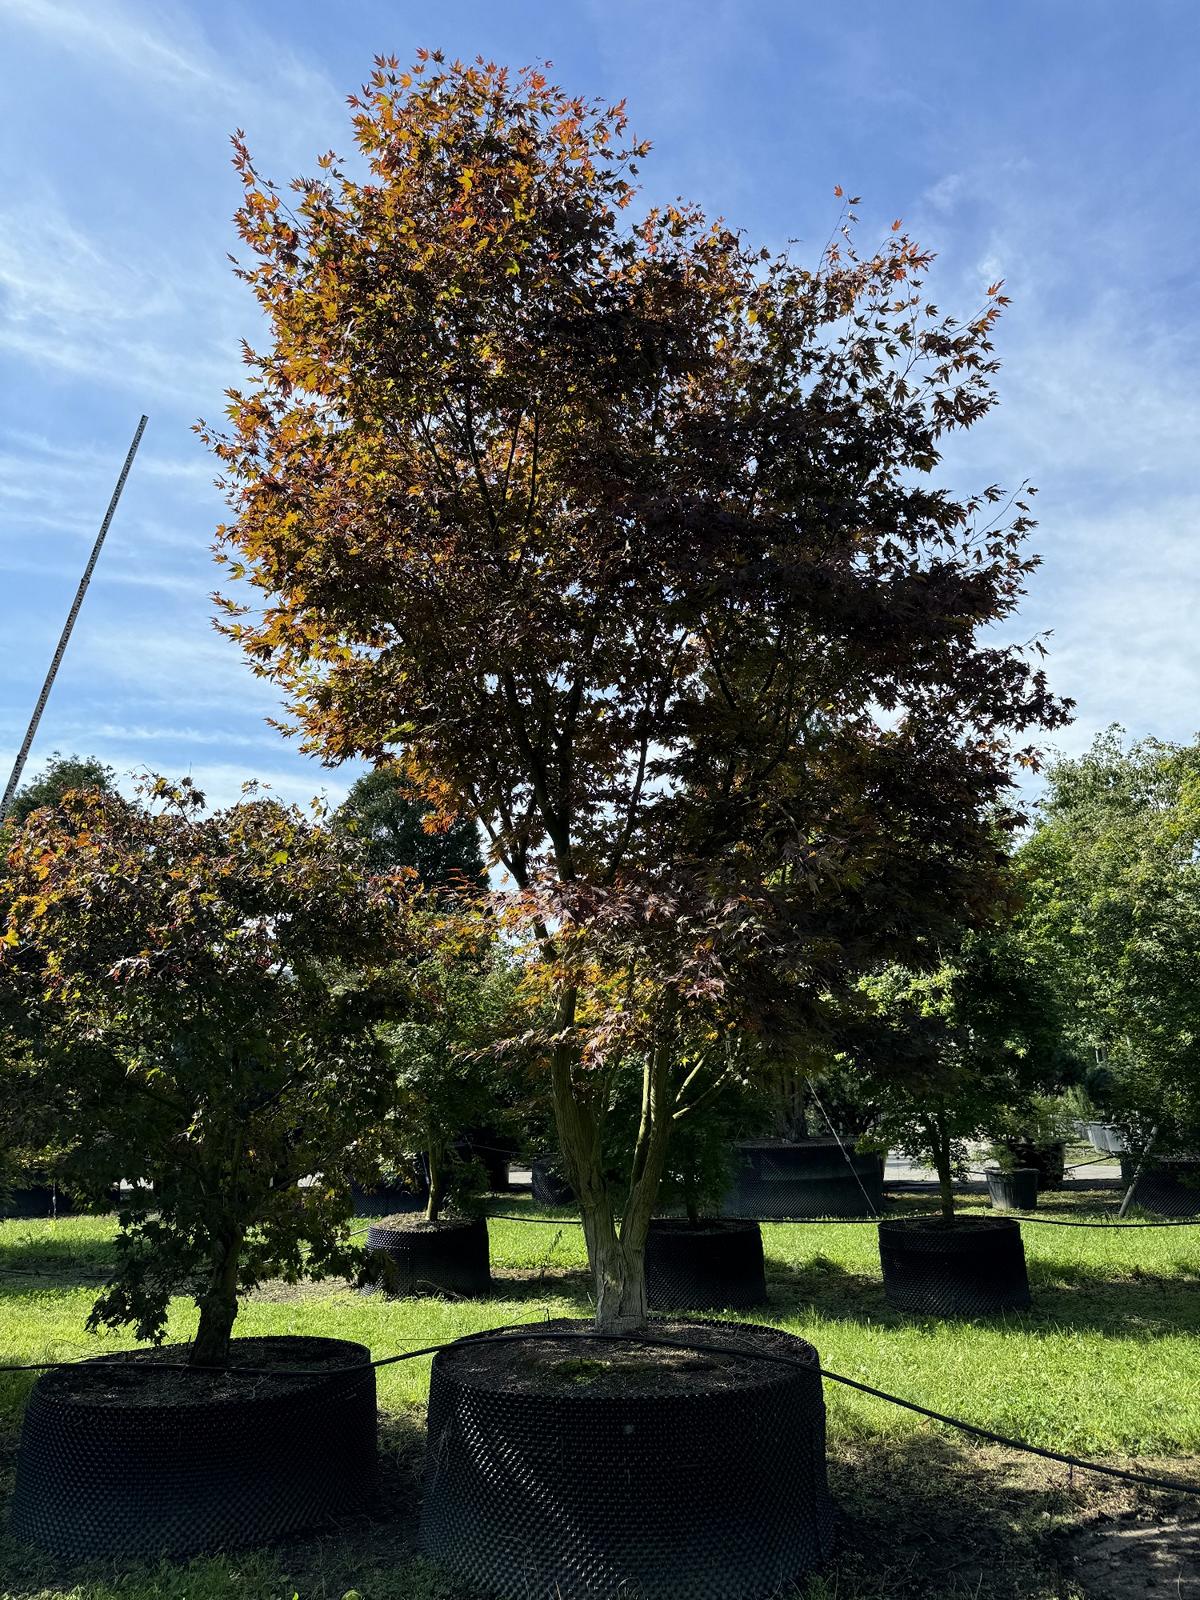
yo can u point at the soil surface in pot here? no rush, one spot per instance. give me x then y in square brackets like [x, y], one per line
[576, 1364]
[962, 1224]
[414, 1222]
[153, 1377]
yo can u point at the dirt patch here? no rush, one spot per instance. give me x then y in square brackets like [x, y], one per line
[1138, 1554]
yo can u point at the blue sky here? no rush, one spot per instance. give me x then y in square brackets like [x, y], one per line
[1048, 142]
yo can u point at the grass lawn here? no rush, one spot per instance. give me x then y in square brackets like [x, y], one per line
[1107, 1364]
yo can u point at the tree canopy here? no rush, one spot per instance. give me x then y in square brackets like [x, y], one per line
[620, 534]
[389, 820]
[60, 774]
[206, 989]
[1113, 875]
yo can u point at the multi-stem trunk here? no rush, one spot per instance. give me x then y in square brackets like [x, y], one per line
[218, 1304]
[616, 1252]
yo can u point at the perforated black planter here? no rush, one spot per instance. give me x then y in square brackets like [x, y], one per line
[386, 1197]
[1169, 1187]
[580, 1468]
[550, 1188]
[109, 1465]
[1014, 1191]
[418, 1257]
[811, 1178]
[494, 1151]
[716, 1265]
[37, 1201]
[976, 1268]
[1049, 1159]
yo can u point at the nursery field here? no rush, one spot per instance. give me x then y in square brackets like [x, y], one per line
[1105, 1365]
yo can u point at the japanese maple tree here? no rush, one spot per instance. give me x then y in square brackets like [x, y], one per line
[621, 535]
[205, 991]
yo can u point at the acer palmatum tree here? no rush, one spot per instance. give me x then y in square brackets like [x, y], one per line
[623, 536]
[204, 992]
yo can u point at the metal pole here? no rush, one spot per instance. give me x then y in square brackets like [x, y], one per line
[30, 732]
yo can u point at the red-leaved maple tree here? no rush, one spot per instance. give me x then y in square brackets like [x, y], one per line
[622, 536]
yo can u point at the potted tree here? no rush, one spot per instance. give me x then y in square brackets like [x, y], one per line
[700, 1260]
[205, 990]
[955, 1058]
[618, 537]
[448, 1076]
[1034, 1140]
[804, 1165]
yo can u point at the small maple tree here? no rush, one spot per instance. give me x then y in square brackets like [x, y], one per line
[205, 992]
[620, 534]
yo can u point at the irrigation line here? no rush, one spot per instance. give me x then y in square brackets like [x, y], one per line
[862, 1222]
[532, 1331]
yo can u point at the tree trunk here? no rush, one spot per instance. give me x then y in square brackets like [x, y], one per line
[435, 1156]
[218, 1306]
[941, 1161]
[616, 1257]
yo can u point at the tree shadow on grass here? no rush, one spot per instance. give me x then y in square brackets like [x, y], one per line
[926, 1517]
[1134, 1305]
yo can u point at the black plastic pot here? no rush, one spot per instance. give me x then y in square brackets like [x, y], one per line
[1014, 1191]
[550, 1188]
[114, 1469]
[385, 1198]
[582, 1468]
[1169, 1186]
[811, 1178]
[411, 1256]
[494, 1151]
[1048, 1159]
[39, 1200]
[972, 1268]
[715, 1265]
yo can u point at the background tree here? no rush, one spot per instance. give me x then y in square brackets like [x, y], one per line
[60, 775]
[206, 984]
[1113, 882]
[620, 535]
[449, 1074]
[33, 1145]
[959, 1053]
[389, 820]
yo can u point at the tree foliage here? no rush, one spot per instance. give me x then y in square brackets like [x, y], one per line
[60, 774]
[620, 533]
[390, 822]
[203, 986]
[1113, 873]
[450, 1074]
[960, 1052]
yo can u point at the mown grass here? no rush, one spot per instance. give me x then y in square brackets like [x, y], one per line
[1106, 1364]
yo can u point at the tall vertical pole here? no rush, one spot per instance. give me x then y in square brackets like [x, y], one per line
[30, 732]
